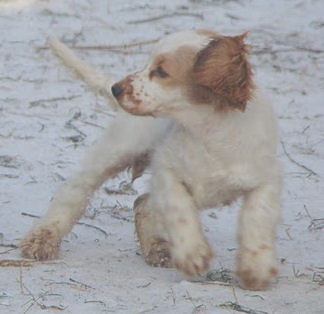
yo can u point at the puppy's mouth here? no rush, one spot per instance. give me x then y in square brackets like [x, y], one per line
[134, 110]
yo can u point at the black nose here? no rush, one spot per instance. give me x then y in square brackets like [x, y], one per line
[116, 90]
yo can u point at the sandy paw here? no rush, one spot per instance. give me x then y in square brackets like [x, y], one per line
[41, 244]
[257, 269]
[251, 281]
[194, 259]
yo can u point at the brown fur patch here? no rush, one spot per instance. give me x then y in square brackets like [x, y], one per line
[140, 163]
[182, 221]
[223, 69]
[273, 272]
[265, 247]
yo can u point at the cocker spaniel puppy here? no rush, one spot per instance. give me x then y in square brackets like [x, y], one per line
[198, 120]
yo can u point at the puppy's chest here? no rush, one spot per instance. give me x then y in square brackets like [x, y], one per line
[210, 183]
[206, 173]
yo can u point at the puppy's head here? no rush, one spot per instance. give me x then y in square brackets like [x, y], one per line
[189, 69]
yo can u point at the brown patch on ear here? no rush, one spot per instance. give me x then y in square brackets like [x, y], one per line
[223, 68]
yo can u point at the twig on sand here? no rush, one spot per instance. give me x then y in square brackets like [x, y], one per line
[11, 245]
[240, 308]
[163, 16]
[42, 306]
[220, 275]
[81, 283]
[30, 215]
[94, 227]
[296, 162]
[95, 301]
[78, 223]
[293, 49]
[21, 285]
[7, 251]
[78, 285]
[15, 263]
[197, 308]
[318, 278]
[315, 223]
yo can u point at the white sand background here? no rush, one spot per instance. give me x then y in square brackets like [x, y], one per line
[48, 119]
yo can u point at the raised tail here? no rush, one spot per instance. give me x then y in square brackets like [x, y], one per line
[98, 82]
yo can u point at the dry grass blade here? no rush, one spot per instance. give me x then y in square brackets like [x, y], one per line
[93, 227]
[284, 50]
[124, 188]
[15, 263]
[222, 275]
[316, 224]
[7, 251]
[163, 16]
[9, 162]
[81, 283]
[318, 278]
[13, 246]
[296, 162]
[240, 308]
[42, 306]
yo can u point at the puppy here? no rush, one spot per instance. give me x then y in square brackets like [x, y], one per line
[198, 120]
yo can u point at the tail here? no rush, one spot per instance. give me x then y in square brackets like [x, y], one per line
[95, 80]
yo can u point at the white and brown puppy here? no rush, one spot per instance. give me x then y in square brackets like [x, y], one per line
[209, 138]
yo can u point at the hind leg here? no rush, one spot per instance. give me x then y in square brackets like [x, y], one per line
[151, 234]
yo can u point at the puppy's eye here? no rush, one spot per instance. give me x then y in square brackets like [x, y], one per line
[161, 73]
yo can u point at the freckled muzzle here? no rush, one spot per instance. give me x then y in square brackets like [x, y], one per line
[123, 91]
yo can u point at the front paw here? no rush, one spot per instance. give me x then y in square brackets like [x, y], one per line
[257, 268]
[192, 259]
[41, 244]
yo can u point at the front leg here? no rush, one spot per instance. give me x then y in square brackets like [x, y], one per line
[121, 144]
[259, 218]
[190, 251]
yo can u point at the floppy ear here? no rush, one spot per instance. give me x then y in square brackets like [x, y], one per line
[223, 68]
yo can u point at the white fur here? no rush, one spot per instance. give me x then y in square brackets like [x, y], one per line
[173, 41]
[201, 158]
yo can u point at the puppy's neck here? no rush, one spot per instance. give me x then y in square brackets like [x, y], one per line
[198, 119]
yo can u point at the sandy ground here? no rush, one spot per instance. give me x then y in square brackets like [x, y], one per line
[48, 119]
